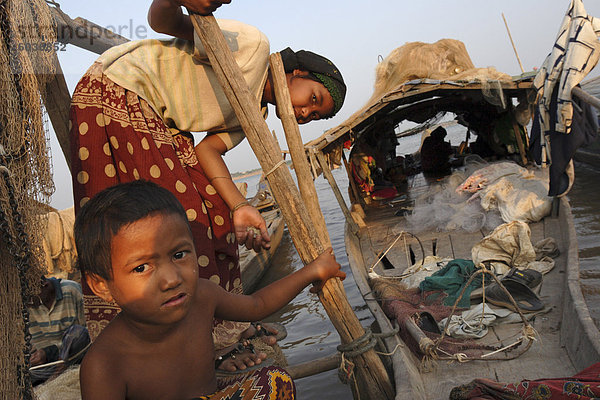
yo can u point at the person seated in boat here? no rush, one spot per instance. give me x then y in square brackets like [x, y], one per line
[56, 326]
[136, 248]
[132, 114]
[436, 152]
[368, 175]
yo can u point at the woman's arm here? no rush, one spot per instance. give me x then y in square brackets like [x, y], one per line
[209, 153]
[166, 16]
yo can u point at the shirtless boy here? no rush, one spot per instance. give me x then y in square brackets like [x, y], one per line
[135, 248]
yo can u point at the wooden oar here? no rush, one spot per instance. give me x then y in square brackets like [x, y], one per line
[371, 374]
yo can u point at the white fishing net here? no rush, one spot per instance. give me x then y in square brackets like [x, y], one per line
[444, 209]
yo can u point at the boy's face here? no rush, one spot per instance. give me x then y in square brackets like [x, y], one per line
[154, 269]
[310, 99]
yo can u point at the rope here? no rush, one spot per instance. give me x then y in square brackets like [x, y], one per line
[385, 252]
[529, 332]
[400, 235]
[359, 346]
[275, 167]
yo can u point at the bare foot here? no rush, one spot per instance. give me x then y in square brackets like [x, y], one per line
[238, 358]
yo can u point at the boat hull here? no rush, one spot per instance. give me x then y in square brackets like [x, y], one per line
[569, 338]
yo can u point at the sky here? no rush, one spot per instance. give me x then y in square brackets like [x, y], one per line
[355, 35]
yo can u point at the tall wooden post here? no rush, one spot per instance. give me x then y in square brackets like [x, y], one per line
[336, 191]
[370, 371]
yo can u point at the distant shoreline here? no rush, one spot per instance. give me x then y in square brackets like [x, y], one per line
[243, 175]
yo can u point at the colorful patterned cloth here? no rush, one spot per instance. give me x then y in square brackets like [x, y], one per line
[270, 383]
[361, 172]
[573, 56]
[117, 137]
[584, 385]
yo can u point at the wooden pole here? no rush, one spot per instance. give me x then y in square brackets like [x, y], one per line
[585, 96]
[57, 101]
[314, 367]
[513, 44]
[84, 34]
[370, 372]
[336, 191]
[296, 147]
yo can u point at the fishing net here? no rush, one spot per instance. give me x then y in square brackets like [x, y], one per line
[404, 305]
[26, 64]
[446, 59]
[445, 209]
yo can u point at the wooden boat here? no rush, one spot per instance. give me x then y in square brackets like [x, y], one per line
[567, 339]
[590, 154]
[253, 265]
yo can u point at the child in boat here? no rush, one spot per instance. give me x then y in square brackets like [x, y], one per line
[135, 248]
[133, 114]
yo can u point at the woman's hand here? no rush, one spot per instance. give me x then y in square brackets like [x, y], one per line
[166, 16]
[202, 7]
[250, 228]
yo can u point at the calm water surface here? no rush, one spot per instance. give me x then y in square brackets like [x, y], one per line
[585, 204]
[310, 333]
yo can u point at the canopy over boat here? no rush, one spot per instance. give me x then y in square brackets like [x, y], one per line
[415, 84]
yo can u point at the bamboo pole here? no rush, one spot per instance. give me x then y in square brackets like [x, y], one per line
[314, 367]
[370, 371]
[336, 191]
[513, 44]
[57, 101]
[296, 148]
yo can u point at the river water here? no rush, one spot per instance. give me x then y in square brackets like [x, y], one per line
[310, 333]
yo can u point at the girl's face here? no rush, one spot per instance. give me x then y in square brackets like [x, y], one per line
[310, 99]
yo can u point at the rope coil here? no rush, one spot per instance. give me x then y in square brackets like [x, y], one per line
[357, 347]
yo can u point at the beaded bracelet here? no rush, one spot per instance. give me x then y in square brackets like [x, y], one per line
[240, 205]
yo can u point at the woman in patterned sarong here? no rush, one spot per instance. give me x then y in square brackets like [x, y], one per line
[131, 118]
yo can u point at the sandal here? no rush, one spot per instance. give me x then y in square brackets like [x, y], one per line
[524, 297]
[528, 277]
[262, 329]
[239, 349]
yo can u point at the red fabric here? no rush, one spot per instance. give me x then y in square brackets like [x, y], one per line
[386, 193]
[584, 385]
[117, 137]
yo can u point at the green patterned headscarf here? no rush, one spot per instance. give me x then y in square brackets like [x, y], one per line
[321, 70]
